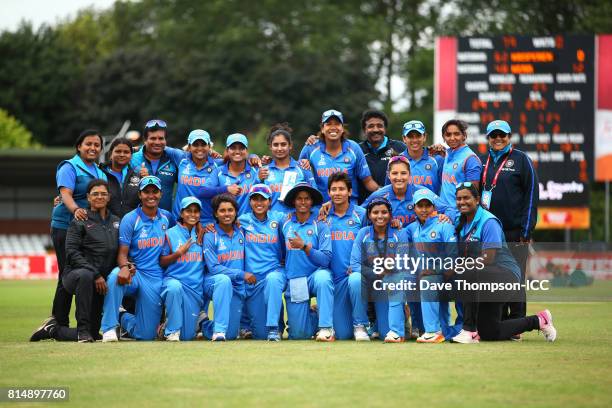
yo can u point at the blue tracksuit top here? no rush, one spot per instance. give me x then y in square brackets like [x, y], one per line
[365, 241]
[343, 232]
[222, 178]
[350, 161]
[275, 182]
[145, 238]
[225, 255]
[166, 171]
[434, 232]
[61, 216]
[297, 263]
[189, 268]
[426, 171]
[460, 164]
[486, 229]
[264, 250]
[403, 210]
[199, 183]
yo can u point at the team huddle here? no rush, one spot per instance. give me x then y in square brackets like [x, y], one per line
[148, 241]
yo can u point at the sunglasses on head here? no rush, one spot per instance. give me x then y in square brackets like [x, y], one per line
[155, 123]
[466, 184]
[261, 190]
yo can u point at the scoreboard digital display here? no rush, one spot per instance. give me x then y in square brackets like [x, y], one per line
[543, 86]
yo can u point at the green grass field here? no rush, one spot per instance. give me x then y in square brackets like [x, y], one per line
[574, 371]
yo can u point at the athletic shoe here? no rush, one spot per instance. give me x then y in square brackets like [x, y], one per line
[516, 337]
[176, 336]
[218, 337]
[546, 325]
[326, 334]
[466, 337]
[360, 333]
[45, 330]
[245, 334]
[273, 335]
[124, 335]
[109, 336]
[84, 337]
[431, 338]
[393, 337]
[202, 317]
[414, 333]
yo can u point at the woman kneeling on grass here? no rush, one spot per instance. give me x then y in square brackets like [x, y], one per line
[91, 253]
[480, 234]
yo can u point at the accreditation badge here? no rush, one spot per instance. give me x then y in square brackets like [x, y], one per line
[485, 199]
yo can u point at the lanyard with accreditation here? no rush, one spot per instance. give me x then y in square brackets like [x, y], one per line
[485, 200]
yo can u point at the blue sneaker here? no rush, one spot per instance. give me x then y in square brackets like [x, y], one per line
[273, 335]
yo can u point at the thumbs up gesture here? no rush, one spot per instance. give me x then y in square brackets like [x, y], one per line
[143, 170]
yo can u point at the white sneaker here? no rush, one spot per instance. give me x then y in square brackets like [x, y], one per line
[174, 336]
[466, 337]
[546, 325]
[326, 334]
[393, 337]
[360, 333]
[218, 337]
[109, 336]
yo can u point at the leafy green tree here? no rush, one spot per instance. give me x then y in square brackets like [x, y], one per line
[13, 134]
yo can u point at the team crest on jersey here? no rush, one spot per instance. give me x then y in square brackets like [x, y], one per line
[455, 165]
[209, 169]
[164, 227]
[310, 232]
[241, 241]
[347, 160]
[351, 222]
[134, 180]
[428, 166]
[222, 246]
[274, 224]
[510, 163]
[410, 206]
[248, 175]
[391, 245]
[389, 152]
[322, 161]
[116, 225]
[143, 233]
[432, 235]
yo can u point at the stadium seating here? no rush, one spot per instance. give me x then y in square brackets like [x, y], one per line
[25, 244]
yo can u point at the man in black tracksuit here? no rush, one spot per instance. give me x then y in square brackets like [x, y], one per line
[377, 148]
[510, 190]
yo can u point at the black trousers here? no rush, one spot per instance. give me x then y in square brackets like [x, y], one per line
[520, 252]
[80, 282]
[486, 317]
[62, 301]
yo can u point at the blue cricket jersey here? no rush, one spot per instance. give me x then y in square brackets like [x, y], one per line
[297, 263]
[403, 210]
[460, 165]
[275, 182]
[264, 249]
[426, 171]
[343, 232]
[189, 268]
[439, 235]
[350, 161]
[225, 255]
[145, 238]
[200, 183]
[223, 178]
[366, 241]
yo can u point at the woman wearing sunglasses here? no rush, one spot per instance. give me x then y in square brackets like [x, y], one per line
[510, 192]
[333, 153]
[372, 245]
[480, 235]
[91, 254]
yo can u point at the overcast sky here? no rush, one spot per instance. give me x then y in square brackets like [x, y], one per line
[42, 11]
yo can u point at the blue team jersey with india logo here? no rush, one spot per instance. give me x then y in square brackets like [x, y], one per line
[277, 176]
[343, 232]
[189, 268]
[264, 249]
